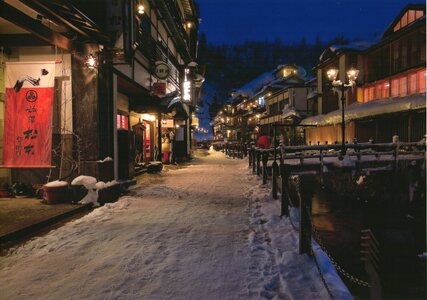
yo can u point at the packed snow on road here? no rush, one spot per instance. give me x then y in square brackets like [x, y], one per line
[207, 231]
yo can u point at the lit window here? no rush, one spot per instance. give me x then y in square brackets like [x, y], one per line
[397, 27]
[386, 89]
[378, 90]
[371, 93]
[403, 88]
[412, 88]
[421, 81]
[395, 87]
[419, 14]
[366, 95]
[404, 20]
[411, 16]
[122, 122]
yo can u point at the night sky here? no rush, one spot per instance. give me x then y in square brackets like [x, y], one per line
[231, 21]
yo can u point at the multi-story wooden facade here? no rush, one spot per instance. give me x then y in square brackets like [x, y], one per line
[143, 81]
[390, 95]
[286, 104]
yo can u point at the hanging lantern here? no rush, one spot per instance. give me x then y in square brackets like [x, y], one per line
[91, 62]
[140, 9]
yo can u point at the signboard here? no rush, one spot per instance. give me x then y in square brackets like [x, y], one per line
[28, 114]
[159, 88]
[122, 122]
[161, 70]
[186, 87]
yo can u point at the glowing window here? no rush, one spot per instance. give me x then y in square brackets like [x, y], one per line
[404, 20]
[397, 27]
[395, 87]
[412, 83]
[419, 14]
[378, 90]
[372, 93]
[386, 89]
[411, 16]
[122, 122]
[421, 81]
[403, 88]
[366, 95]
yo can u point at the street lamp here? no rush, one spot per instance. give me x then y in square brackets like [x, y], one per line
[340, 86]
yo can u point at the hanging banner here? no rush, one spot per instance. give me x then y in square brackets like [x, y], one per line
[27, 138]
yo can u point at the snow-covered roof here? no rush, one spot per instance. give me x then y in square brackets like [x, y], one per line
[249, 89]
[337, 49]
[290, 112]
[312, 94]
[266, 80]
[281, 83]
[372, 108]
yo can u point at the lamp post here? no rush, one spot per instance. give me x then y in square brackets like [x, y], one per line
[339, 86]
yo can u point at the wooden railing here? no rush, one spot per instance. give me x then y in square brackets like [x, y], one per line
[310, 163]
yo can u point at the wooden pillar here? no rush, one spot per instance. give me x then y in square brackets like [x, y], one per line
[275, 166]
[264, 167]
[306, 190]
[159, 136]
[254, 160]
[284, 174]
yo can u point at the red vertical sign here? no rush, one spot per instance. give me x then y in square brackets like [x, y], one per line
[28, 114]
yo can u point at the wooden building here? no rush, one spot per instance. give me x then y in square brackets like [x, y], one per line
[286, 104]
[141, 81]
[390, 95]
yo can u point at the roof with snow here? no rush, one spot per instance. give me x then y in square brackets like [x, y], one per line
[369, 109]
[269, 80]
[335, 50]
[290, 112]
[249, 89]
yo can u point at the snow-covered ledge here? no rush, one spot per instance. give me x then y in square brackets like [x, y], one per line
[372, 108]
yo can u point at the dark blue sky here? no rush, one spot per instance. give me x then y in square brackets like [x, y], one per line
[228, 21]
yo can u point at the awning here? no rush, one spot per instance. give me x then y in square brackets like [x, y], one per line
[174, 106]
[370, 109]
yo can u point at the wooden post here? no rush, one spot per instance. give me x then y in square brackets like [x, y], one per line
[275, 171]
[159, 136]
[264, 167]
[275, 166]
[258, 162]
[306, 190]
[371, 257]
[321, 167]
[284, 174]
[254, 160]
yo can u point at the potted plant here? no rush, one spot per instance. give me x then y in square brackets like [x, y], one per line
[55, 192]
[4, 190]
[108, 192]
[20, 190]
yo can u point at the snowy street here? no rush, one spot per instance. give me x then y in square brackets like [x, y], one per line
[207, 231]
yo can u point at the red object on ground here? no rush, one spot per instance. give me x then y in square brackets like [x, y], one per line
[263, 142]
[165, 156]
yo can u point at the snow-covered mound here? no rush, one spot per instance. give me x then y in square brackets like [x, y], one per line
[56, 183]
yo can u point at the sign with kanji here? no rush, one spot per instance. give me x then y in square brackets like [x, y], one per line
[159, 88]
[27, 138]
[161, 70]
